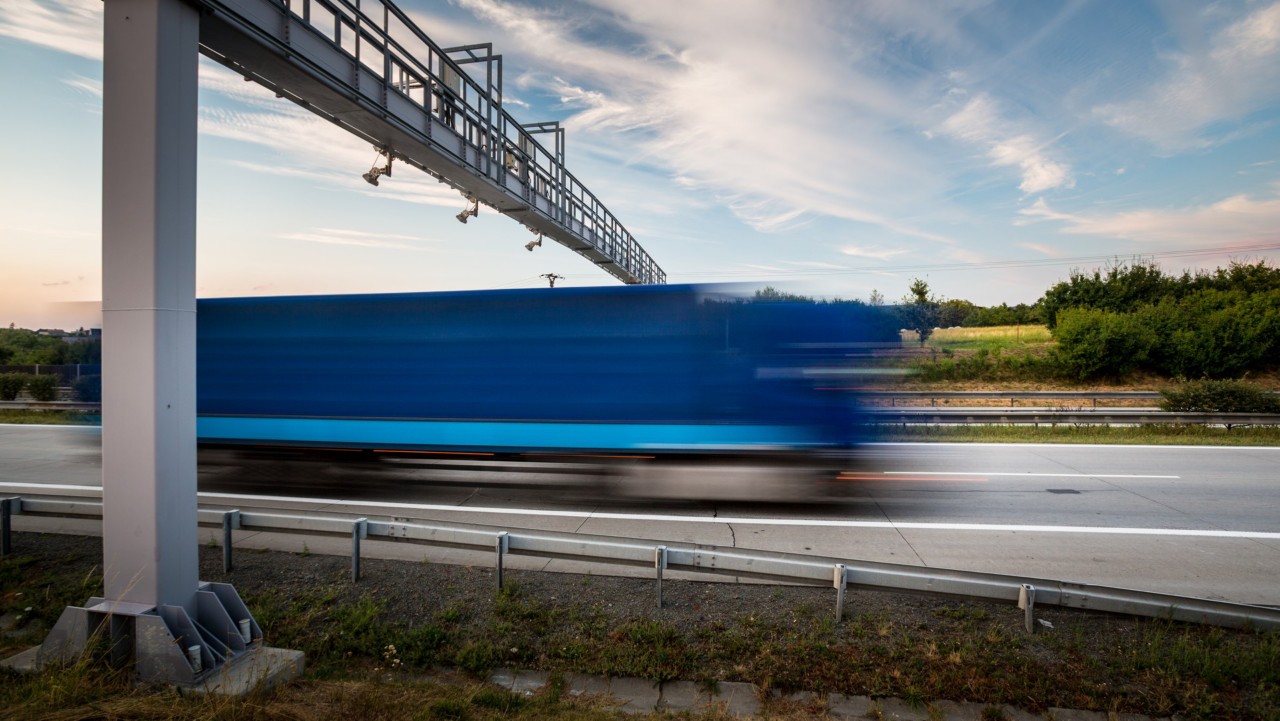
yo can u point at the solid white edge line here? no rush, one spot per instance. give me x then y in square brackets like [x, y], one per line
[1073, 445]
[1019, 475]
[827, 523]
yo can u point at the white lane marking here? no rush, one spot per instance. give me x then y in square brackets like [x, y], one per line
[1019, 475]
[814, 522]
[51, 486]
[1073, 445]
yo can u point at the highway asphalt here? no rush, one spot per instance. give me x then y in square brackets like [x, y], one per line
[1198, 521]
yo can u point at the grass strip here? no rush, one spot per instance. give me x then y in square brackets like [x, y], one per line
[369, 645]
[49, 418]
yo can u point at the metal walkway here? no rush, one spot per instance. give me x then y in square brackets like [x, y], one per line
[363, 65]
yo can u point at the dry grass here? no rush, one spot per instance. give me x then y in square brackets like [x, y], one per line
[990, 337]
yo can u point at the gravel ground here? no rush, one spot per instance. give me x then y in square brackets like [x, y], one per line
[412, 594]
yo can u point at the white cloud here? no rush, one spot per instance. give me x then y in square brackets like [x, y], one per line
[72, 26]
[85, 85]
[979, 122]
[874, 253]
[1042, 249]
[357, 238]
[1232, 74]
[1235, 220]
[771, 114]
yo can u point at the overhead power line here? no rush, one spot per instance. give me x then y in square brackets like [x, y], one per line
[984, 265]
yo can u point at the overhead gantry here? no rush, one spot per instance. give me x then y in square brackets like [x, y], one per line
[365, 66]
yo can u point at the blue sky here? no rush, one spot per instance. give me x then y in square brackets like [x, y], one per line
[831, 148]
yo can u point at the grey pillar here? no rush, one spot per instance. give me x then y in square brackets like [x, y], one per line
[148, 302]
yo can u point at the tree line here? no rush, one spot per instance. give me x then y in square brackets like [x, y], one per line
[21, 347]
[1127, 317]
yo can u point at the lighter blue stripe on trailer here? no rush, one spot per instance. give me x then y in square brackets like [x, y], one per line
[492, 434]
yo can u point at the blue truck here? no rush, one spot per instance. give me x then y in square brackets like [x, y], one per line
[680, 390]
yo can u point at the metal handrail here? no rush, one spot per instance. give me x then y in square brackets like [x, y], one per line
[375, 36]
[839, 574]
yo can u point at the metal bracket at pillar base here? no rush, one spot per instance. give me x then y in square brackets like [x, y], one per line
[164, 643]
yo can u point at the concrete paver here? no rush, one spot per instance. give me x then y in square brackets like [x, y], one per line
[848, 707]
[1067, 714]
[898, 710]
[637, 695]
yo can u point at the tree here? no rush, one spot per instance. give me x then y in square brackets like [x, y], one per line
[876, 299]
[920, 311]
[769, 293]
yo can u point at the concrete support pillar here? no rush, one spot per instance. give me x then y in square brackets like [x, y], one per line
[148, 302]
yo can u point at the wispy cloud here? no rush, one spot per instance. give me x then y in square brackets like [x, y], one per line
[357, 238]
[1233, 220]
[72, 26]
[778, 129]
[979, 122]
[873, 253]
[1043, 249]
[86, 85]
[1227, 77]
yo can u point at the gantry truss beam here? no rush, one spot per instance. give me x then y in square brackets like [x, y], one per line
[365, 66]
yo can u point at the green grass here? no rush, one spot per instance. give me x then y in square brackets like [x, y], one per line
[1139, 435]
[363, 665]
[60, 418]
[992, 338]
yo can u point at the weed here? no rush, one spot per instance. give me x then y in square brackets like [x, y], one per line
[498, 699]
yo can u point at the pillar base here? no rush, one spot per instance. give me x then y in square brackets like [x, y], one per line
[204, 654]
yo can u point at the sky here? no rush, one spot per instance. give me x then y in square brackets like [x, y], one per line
[831, 148]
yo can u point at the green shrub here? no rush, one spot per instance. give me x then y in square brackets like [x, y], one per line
[1094, 343]
[11, 384]
[87, 389]
[43, 388]
[1215, 396]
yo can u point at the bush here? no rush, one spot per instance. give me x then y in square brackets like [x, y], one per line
[87, 389]
[43, 388]
[11, 384]
[1094, 343]
[1210, 396]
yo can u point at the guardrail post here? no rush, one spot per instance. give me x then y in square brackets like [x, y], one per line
[500, 545]
[6, 511]
[840, 582]
[359, 529]
[1027, 602]
[230, 520]
[660, 565]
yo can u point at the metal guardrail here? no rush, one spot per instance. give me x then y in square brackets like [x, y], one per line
[943, 416]
[838, 574]
[50, 406]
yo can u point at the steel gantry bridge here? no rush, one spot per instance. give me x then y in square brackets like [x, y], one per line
[364, 65]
